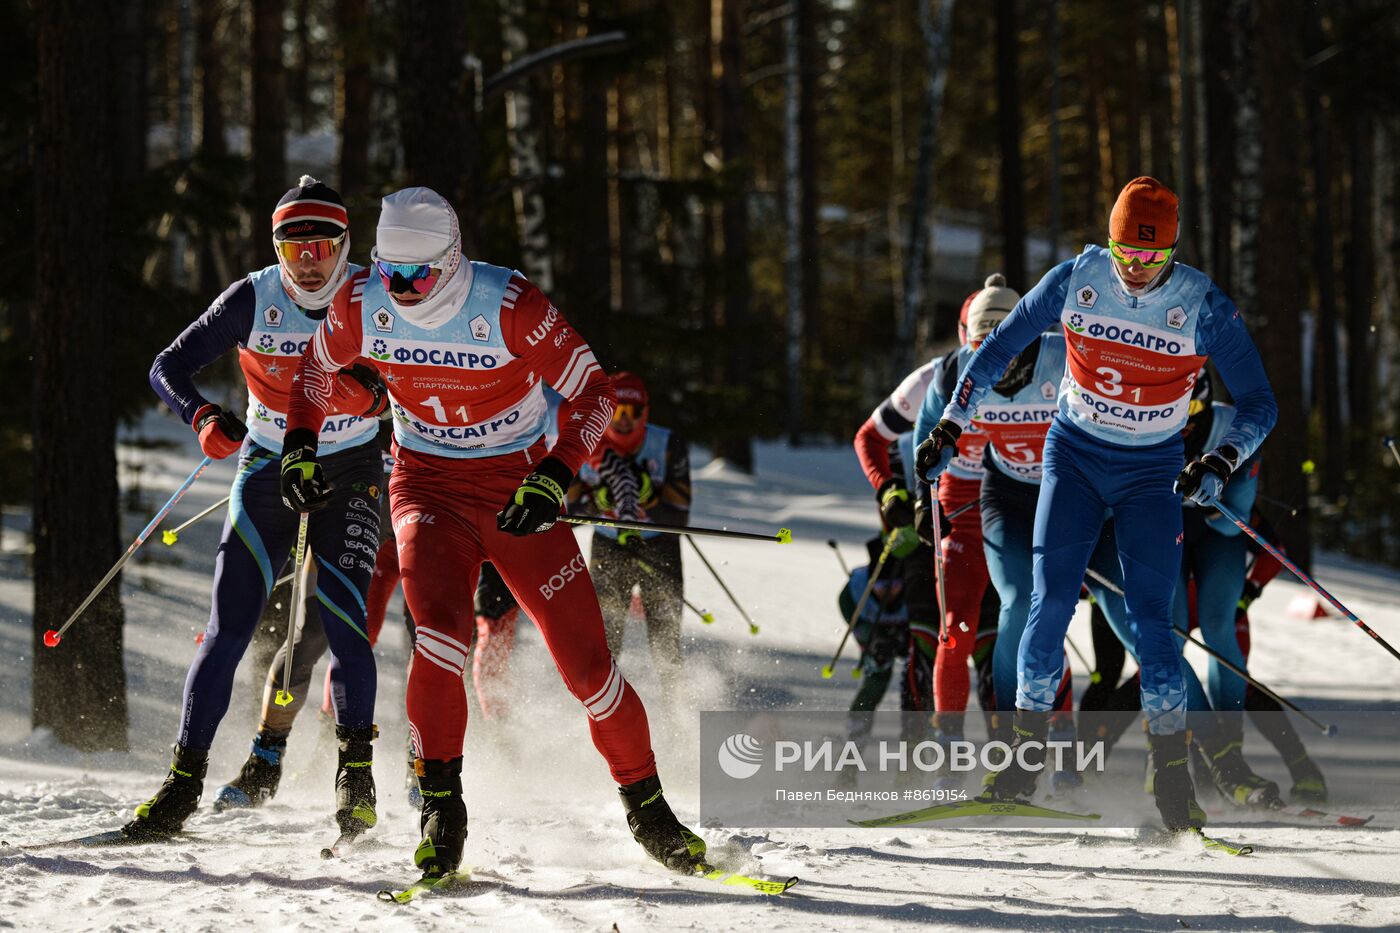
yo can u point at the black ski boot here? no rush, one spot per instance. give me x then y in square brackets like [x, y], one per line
[1232, 775]
[444, 817]
[1170, 778]
[166, 812]
[257, 781]
[657, 829]
[1016, 783]
[354, 780]
[1308, 782]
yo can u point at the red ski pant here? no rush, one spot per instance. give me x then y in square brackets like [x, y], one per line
[445, 520]
[964, 584]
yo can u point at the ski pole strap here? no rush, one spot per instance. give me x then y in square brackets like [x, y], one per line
[55, 636]
[1301, 575]
[783, 536]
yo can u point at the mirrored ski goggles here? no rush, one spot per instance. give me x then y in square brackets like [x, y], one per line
[404, 277]
[1149, 258]
[628, 410]
[315, 250]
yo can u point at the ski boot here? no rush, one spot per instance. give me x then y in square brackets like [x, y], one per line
[1308, 783]
[1016, 783]
[444, 817]
[354, 781]
[257, 781]
[1066, 780]
[166, 812]
[1169, 778]
[1233, 777]
[654, 826]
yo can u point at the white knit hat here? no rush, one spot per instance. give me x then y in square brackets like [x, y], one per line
[418, 225]
[991, 306]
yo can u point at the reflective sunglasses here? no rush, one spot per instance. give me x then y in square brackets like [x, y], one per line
[627, 410]
[403, 277]
[1149, 258]
[316, 250]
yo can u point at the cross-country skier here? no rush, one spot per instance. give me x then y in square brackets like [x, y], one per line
[466, 349]
[640, 472]
[905, 511]
[1011, 422]
[1138, 327]
[268, 316]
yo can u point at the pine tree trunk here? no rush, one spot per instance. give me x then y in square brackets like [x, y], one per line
[526, 167]
[1273, 305]
[1011, 193]
[209, 17]
[1361, 291]
[435, 108]
[736, 444]
[129, 96]
[269, 115]
[356, 86]
[1218, 73]
[299, 75]
[79, 687]
[1326, 383]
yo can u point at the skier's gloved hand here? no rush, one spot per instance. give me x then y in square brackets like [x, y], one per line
[535, 505]
[1252, 590]
[937, 450]
[304, 485]
[1203, 480]
[359, 391]
[898, 513]
[923, 517]
[220, 432]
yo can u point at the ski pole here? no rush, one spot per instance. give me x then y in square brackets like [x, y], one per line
[830, 669]
[284, 696]
[1390, 442]
[172, 535]
[753, 629]
[706, 617]
[831, 543]
[1327, 728]
[943, 636]
[53, 636]
[1094, 676]
[963, 508]
[783, 536]
[1298, 572]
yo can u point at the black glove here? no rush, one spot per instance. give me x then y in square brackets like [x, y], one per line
[923, 517]
[937, 450]
[304, 486]
[535, 505]
[1203, 480]
[1250, 594]
[896, 505]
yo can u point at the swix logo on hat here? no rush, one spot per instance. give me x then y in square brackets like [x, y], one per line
[298, 229]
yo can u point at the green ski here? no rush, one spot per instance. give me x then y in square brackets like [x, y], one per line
[949, 811]
[761, 885]
[1220, 845]
[424, 885]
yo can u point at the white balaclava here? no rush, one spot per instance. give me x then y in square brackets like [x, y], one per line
[418, 225]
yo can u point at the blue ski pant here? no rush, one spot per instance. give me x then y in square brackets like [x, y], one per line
[258, 537]
[1085, 481]
[1217, 564]
[1008, 527]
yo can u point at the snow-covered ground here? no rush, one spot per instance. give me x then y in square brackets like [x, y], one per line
[549, 847]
